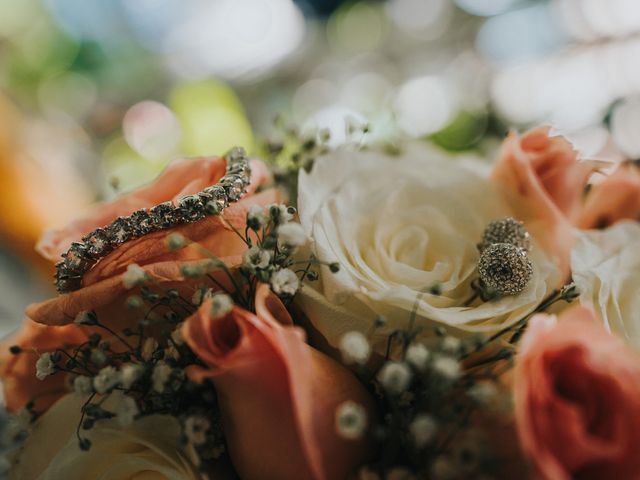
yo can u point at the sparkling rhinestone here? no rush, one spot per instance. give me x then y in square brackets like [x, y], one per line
[61, 270]
[216, 199]
[164, 215]
[65, 285]
[236, 155]
[190, 208]
[505, 268]
[218, 194]
[506, 230]
[97, 243]
[234, 186]
[119, 231]
[141, 223]
[241, 170]
[76, 259]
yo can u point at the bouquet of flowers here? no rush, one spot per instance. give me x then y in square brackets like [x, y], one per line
[358, 312]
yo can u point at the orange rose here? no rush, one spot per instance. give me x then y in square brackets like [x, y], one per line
[616, 198]
[18, 371]
[544, 181]
[102, 286]
[278, 395]
[577, 398]
[103, 289]
[181, 177]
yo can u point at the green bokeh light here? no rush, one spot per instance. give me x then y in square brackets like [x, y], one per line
[211, 117]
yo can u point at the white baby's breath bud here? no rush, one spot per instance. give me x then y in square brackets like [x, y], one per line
[175, 241]
[285, 283]
[200, 295]
[423, 429]
[256, 258]
[400, 473]
[221, 304]
[351, 420]
[451, 344]
[106, 379]
[291, 236]
[149, 346]
[280, 214]
[82, 385]
[134, 302]
[85, 317]
[256, 217]
[160, 376]
[45, 366]
[447, 367]
[417, 355]
[193, 270]
[134, 276]
[394, 377]
[355, 348]
[483, 393]
[176, 335]
[195, 429]
[126, 410]
[130, 373]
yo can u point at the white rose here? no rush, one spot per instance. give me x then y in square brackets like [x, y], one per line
[606, 270]
[148, 448]
[397, 226]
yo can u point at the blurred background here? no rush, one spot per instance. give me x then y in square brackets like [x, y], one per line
[97, 96]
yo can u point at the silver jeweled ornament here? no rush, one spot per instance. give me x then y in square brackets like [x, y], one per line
[506, 230]
[505, 268]
[190, 208]
[83, 256]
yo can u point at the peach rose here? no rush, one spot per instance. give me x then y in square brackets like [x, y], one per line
[102, 286]
[103, 290]
[181, 177]
[18, 371]
[278, 395]
[544, 180]
[616, 198]
[577, 398]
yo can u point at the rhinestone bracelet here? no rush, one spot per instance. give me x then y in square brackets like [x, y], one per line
[84, 255]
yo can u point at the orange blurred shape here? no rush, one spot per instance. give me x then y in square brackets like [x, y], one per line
[32, 198]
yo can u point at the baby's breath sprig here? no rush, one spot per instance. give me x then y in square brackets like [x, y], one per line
[434, 392]
[290, 149]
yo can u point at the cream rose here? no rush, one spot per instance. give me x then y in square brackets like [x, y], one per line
[397, 226]
[606, 269]
[148, 449]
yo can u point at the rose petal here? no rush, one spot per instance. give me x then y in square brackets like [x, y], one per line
[577, 394]
[275, 390]
[616, 198]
